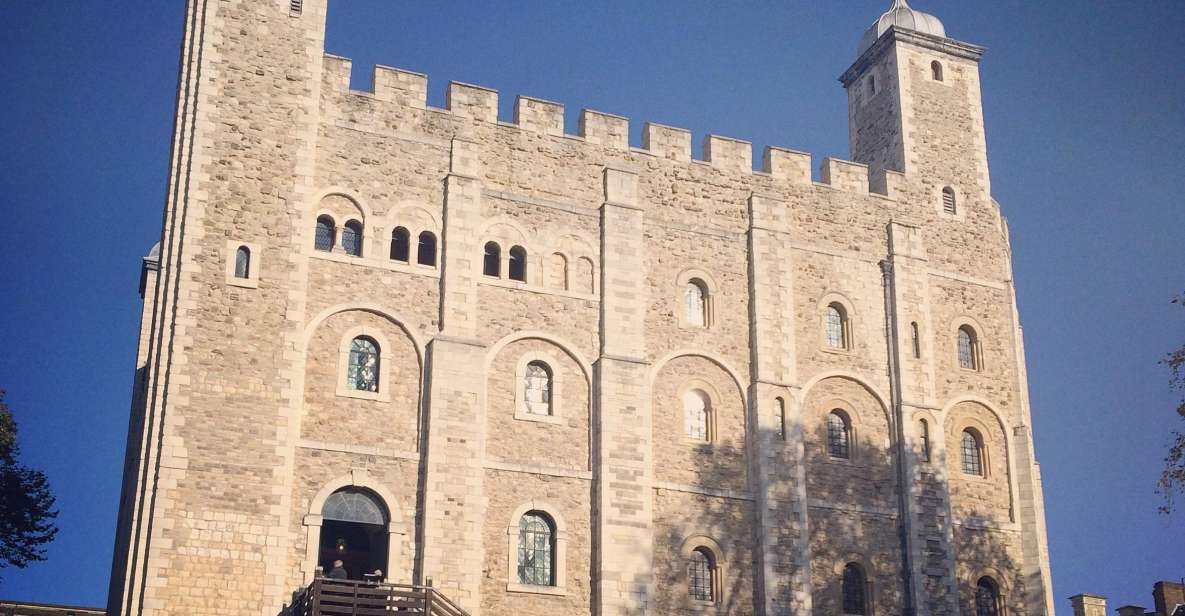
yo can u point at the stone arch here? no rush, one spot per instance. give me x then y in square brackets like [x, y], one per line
[363, 208]
[866, 476]
[678, 459]
[560, 439]
[990, 498]
[330, 412]
[708, 355]
[312, 521]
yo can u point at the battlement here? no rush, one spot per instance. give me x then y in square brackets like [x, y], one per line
[535, 115]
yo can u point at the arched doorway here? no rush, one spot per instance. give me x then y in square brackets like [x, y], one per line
[354, 531]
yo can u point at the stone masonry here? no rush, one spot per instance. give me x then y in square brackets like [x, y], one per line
[243, 422]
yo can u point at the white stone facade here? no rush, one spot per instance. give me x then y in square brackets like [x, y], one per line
[244, 419]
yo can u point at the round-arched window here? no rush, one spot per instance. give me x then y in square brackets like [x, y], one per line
[536, 549]
[354, 505]
[363, 372]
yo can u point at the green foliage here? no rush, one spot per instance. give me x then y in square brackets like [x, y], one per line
[1172, 481]
[26, 504]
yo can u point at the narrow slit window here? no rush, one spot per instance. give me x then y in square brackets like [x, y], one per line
[518, 264]
[695, 303]
[400, 244]
[949, 205]
[426, 249]
[243, 262]
[781, 411]
[924, 440]
[936, 70]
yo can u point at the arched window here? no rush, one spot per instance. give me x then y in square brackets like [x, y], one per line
[400, 244]
[948, 201]
[936, 70]
[835, 324]
[243, 262]
[354, 530]
[987, 597]
[968, 348]
[557, 272]
[916, 339]
[839, 435]
[491, 264]
[363, 372]
[518, 264]
[324, 237]
[924, 438]
[701, 575]
[352, 238]
[695, 303]
[971, 453]
[354, 505]
[426, 251]
[583, 281]
[781, 410]
[697, 415]
[537, 388]
[855, 595]
[536, 548]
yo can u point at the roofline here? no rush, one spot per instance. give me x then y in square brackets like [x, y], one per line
[945, 45]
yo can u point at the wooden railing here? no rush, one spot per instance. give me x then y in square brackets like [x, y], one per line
[329, 597]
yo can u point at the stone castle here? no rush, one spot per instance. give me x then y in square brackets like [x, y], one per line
[557, 374]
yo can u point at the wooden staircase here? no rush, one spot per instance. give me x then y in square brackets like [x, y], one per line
[328, 597]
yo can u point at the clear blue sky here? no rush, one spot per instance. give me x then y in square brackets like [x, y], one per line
[1085, 110]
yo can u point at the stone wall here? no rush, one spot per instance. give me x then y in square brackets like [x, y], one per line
[248, 424]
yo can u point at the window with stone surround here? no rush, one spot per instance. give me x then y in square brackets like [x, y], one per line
[968, 343]
[916, 340]
[836, 327]
[491, 263]
[324, 237]
[695, 303]
[697, 415]
[243, 262]
[780, 408]
[536, 550]
[400, 244]
[702, 575]
[839, 435]
[537, 386]
[352, 238]
[363, 371]
[936, 70]
[426, 249]
[987, 597]
[924, 439]
[854, 589]
[518, 264]
[971, 452]
[949, 204]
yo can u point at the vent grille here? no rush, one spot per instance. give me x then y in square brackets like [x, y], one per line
[295, 6]
[948, 201]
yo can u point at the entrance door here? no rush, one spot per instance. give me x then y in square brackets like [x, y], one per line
[354, 531]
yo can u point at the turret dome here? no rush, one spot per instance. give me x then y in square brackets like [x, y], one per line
[903, 17]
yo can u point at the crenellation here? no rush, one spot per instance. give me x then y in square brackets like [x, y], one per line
[667, 142]
[539, 116]
[474, 321]
[783, 163]
[470, 101]
[728, 153]
[605, 129]
[845, 175]
[400, 86]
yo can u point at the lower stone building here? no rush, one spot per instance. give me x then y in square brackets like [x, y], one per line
[562, 374]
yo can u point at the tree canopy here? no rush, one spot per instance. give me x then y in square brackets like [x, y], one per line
[26, 504]
[1172, 481]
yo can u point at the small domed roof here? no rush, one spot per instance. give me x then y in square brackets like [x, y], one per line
[903, 17]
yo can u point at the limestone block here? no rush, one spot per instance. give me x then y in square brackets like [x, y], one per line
[472, 101]
[539, 116]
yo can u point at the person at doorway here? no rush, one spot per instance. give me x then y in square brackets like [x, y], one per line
[338, 572]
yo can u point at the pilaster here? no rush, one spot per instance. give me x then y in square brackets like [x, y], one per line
[453, 495]
[776, 445]
[623, 459]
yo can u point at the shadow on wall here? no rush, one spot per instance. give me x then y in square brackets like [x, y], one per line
[854, 520]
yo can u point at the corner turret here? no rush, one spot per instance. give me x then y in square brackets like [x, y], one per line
[914, 106]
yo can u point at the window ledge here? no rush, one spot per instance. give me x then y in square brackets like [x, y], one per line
[555, 591]
[547, 419]
[837, 351]
[246, 283]
[385, 264]
[380, 396]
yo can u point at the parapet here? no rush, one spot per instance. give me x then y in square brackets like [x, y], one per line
[539, 116]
